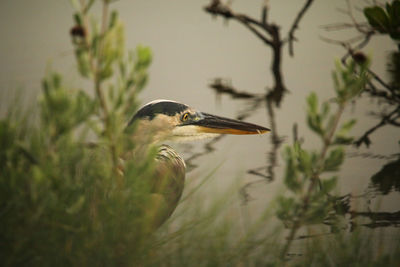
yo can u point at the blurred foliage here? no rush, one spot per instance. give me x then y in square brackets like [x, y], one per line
[387, 178]
[60, 205]
[385, 20]
[63, 109]
[356, 249]
[382, 17]
[393, 68]
[62, 201]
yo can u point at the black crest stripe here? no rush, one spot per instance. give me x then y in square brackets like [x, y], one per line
[149, 111]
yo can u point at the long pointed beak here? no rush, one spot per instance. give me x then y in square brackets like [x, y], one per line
[220, 125]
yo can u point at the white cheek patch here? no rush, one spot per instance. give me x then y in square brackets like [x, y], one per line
[187, 130]
[189, 133]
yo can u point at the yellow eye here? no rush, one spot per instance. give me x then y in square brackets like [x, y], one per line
[185, 117]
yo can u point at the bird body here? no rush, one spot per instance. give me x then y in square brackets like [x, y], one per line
[166, 120]
[168, 181]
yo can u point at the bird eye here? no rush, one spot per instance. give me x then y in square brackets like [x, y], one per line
[185, 117]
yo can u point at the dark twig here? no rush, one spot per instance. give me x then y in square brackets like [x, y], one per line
[243, 190]
[378, 219]
[381, 81]
[276, 141]
[208, 149]
[387, 119]
[264, 13]
[246, 23]
[258, 172]
[355, 23]
[295, 25]
[364, 41]
[342, 26]
[369, 155]
[222, 87]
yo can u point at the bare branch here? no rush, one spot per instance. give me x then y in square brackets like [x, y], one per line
[255, 31]
[341, 26]
[381, 81]
[261, 29]
[264, 12]
[217, 8]
[295, 25]
[387, 119]
[222, 87]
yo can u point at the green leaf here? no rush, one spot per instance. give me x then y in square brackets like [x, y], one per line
[342, 140]
[113, 19]
[292, 179]
[314, 119]
[141, 82]
[393, 11]
[334, 160]
[346, 127]
[122, 69]
[78, 19]
[312, 101]
[83, 107]
[327, 185]
[77, 206]
[335, 77]
[377, 18]
[144, 57]
[317, 212]
[350, 80]
[62, 109]
[106, 72]
[95, 43]
[287, 207]
[314, 122]
[325, 110]
[304, 160]
[82, 57]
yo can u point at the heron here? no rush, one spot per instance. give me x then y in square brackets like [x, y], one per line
[167, 120]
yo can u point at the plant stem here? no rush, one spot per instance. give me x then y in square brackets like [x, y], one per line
[97, 70]
[107, 119]
[314, 178]
[95, 65]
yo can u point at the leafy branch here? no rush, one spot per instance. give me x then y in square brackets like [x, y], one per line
[99, 50]
[63, 203]
[311, 203]
[379, 20]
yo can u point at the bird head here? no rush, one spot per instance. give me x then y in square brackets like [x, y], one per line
[169, 120]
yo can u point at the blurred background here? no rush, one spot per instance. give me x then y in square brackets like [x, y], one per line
[190, 49]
